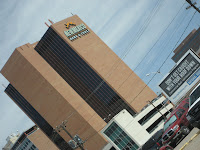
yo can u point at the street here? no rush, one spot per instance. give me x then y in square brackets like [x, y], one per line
[191, 142]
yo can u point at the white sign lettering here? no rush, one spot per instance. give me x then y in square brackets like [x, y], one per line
[76, 32]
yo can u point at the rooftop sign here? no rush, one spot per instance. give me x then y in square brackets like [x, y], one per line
[75, 32]
[69, 24]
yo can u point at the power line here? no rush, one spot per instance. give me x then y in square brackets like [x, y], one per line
[163, 47]
[150, 49]
[193, 5]
[98, 87]
[147, 54]
[76, 140]
[100, 83]
[104, 81]
[167, 56]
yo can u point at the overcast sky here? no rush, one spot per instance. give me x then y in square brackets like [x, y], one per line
[131, 28]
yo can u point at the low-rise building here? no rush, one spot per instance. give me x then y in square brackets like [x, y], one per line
[33, 139]
[127, 131]
[11, 139]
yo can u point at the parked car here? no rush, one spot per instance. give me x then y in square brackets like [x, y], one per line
[177, 126]
[194, 107]
[155, 142]
[166, 147]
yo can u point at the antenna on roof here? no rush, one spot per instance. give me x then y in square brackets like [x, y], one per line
[3, 85]
[46, 24]
[51, 21]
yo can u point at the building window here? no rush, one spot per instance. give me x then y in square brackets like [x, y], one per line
[186, 105]
[157, 122]
[80, 76]
[120, 138]
[37, 118]
[148, 116]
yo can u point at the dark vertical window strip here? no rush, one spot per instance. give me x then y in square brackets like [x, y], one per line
[62, 69]
[68, 58]
[128, 109]
[71, 61]
[81, 89]
[104, 98]
[79, 68]
[106, 90]
[49, 55]
[37, 118]
[38, 47]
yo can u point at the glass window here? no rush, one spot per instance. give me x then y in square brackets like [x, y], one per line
[186, 105]
[36, 117]
[180, 112]
[148, 116]
[120, 138]
[80, 76]
[194, 96]
[169, 122]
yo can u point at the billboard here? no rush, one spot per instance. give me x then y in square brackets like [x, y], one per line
[182, 77]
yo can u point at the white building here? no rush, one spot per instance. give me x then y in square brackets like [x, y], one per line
[23, 142]
[125, 131]
[11, 139]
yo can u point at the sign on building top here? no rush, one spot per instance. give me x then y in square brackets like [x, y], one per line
[69, 24]
[75, 32]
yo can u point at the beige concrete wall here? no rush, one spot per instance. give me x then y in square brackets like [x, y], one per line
[108, 65]
[41, 141]
[56, 101]
[52, 97]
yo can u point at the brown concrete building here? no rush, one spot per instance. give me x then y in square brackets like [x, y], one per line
[33, 139]
[71, 74]
[191, 41]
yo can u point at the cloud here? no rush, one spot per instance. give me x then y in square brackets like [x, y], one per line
[12, 118]
[117, 23]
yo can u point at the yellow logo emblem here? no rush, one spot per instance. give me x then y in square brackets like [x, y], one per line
[69, 24]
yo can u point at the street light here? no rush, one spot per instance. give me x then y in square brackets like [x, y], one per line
[148, 74]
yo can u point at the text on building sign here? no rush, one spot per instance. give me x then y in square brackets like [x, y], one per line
[76, 32]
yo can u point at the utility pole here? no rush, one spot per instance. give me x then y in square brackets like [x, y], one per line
[76, 140]
[157, 109]
[193, 5]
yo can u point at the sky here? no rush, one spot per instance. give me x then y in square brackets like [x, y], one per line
[141, 32]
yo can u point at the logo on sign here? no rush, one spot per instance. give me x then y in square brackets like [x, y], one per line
[75, 32]
[69, 24]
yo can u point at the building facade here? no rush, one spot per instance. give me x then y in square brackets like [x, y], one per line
[33, 139]
[71, 74]
[192, 41]
[127, 132]
[11, 139]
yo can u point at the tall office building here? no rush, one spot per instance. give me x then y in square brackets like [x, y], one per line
[71, 74]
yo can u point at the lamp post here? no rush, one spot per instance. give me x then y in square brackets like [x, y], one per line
[158, 72]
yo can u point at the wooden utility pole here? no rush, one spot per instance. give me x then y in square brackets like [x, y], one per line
[193, 5]
[75, 139]
[150, 102]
